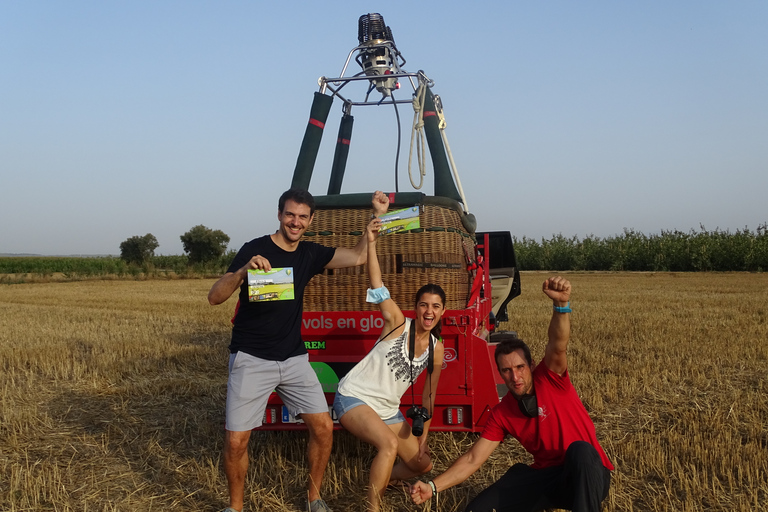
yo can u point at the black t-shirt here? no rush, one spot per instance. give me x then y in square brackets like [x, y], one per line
[272, 329]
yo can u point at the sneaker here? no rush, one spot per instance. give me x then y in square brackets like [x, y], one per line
[230, 509]
[318, 506]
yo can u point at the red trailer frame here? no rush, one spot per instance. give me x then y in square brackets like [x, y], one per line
[469, 382]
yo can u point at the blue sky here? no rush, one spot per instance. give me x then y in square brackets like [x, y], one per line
[125, 118]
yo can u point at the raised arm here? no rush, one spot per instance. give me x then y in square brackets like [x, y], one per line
[374, 269]
[345, 257]
[459, 471]
[559, 290]
[390, 311]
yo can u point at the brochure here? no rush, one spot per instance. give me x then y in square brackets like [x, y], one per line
[400, 220]
[275, 284]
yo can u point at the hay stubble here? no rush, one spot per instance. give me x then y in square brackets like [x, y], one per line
[112, 392]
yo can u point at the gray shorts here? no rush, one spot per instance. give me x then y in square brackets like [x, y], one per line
[252, 380]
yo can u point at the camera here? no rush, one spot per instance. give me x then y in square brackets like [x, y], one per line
[418, 415]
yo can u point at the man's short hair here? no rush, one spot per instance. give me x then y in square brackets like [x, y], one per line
[298, 195]
[508, 344]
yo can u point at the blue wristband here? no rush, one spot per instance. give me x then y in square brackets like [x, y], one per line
[377, 296]
[563, 309]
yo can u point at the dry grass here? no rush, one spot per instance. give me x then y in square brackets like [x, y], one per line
[112, 392]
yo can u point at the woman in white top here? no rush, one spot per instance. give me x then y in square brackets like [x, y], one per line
[368, 398]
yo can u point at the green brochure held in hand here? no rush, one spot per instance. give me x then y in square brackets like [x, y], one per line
[275, 284]
[400, 220]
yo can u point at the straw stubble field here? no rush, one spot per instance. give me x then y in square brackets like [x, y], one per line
[112, 398]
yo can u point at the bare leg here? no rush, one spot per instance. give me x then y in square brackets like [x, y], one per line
[318, 450]
[236, 465]
[366, 425]
[408, 450]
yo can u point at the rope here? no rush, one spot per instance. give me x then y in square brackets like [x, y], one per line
[441, 125]
[418, 134]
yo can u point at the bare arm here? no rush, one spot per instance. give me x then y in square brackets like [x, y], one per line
[559, 290]
[429, 394]
[224, 288]
[358, 255]
[344, 257]
[231, 281]
[374, 270]
[390, 311]
[459, 471]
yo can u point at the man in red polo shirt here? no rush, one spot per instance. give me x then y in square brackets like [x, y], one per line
[544, 413]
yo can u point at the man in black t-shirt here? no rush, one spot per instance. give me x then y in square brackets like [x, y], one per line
[267, 351]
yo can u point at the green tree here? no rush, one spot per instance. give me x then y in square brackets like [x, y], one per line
[204, 244]
[138, 249]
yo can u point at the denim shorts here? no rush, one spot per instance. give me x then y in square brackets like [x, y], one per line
[343, 404]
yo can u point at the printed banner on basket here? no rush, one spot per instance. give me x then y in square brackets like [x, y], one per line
[400, 220]
[275, 284]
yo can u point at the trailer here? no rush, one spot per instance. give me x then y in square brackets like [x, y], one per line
[477, 270]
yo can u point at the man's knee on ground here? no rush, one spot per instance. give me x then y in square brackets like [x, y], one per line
[582, 455]
[581, 450]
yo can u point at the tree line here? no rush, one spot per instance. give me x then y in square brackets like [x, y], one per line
[670, 251]
[205, 255]
[201, 245]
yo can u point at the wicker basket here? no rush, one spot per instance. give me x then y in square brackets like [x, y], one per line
[437, 253]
